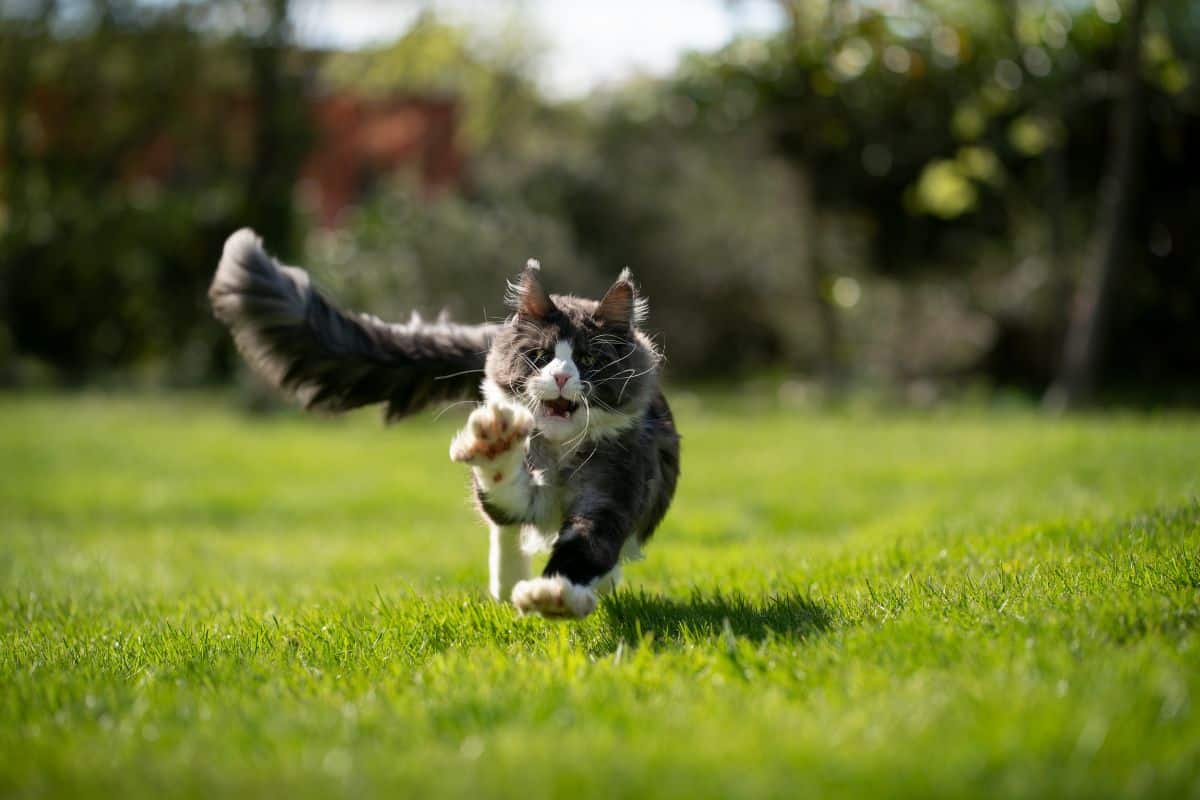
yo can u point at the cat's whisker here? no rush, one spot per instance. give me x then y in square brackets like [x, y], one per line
[646, 371]
[575, 471]
[590, 387]
[439, 415]
[579, 438]
[457, 374]
[569, 445]
[625, 385]
[530, 403]
[616, 361]
[619, 375]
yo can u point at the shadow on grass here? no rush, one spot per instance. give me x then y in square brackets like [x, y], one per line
[706, 615]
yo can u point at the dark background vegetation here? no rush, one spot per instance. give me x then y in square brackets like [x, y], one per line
[913, 196]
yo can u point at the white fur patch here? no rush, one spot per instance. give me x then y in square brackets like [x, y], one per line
[563, 352]
[508, 564]
[534, 540]
[492, 393]
[607, 583]
[554, 597]
[493, 442]
[543, 386]
[602, 424]
[511, 493]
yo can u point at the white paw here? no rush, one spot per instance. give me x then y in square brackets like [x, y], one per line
[553, 597]
[494, 432]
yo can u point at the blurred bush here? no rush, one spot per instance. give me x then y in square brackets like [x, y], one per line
[401, 252]
[880, 192]
[134, 142]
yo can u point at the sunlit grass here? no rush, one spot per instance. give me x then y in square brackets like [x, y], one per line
[953, 604]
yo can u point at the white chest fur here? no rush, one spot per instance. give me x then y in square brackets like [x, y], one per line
[552, 496]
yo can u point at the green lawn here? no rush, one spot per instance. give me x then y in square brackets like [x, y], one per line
[960, 604]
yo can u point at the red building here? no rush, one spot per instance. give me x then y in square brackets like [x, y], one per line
[358, 140]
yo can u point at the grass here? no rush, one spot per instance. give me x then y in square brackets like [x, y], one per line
[959, 604]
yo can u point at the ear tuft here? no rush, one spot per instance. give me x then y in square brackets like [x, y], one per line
[526, 295]
[621, 304]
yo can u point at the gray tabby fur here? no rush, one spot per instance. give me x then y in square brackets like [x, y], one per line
[333, 360]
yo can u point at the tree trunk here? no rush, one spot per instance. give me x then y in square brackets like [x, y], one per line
[829, 345]
[18, 45]
[1076, 382]
[273, 170]
[1060, 285]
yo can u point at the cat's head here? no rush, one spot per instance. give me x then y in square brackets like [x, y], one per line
[581, 366]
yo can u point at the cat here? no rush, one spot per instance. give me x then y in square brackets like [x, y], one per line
[572, 447]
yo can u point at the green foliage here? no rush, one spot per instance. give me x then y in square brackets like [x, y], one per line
[962, 136]
[401, 252]
[710, 228]
[488, 74]
[790, 202]
[135, 145]
[964, 604]
[709, 233]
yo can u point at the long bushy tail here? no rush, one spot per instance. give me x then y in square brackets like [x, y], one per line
[334, 360]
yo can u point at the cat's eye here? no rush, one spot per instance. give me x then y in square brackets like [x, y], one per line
[538, 356]
[587, 360]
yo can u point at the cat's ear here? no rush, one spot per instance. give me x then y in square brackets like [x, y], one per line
[621, 305]
[527, 296]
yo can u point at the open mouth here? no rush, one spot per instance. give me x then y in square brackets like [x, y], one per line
[559, 407]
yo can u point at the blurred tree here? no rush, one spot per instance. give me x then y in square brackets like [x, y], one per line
[587, 191]
[281, 133]
[134, 144]
[891, 190]
[489, 74]
[960, 130]
[707, 223]
[15, 68]
[1122, 181]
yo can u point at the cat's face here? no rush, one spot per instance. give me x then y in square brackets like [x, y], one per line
[581, 366]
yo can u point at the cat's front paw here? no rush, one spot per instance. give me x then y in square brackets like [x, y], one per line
[553, 597]
[493, 432]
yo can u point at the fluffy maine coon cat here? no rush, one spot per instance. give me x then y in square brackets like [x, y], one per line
[572, 448]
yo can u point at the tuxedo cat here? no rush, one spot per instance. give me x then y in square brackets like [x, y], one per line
[572, 448]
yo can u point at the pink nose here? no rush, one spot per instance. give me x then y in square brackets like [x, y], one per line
[561, 379]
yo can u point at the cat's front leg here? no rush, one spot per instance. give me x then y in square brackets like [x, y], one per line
[582, 565]
[493, 444]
